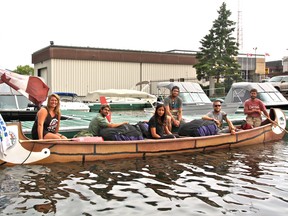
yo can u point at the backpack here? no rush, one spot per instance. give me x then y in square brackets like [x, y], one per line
[83, 133]
[198, 127]
[122, 133]
[144, 128]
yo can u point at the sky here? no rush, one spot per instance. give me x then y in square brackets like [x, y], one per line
[148, 25]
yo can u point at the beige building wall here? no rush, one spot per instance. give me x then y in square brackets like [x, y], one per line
[260, 66]
[83, 76]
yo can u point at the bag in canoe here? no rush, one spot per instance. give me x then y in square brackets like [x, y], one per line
[198, 127]
[121, 133]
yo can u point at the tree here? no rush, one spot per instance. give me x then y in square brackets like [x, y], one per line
[217, 56]
[25, 70]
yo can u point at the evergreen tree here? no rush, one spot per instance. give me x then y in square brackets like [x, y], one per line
[217, 56]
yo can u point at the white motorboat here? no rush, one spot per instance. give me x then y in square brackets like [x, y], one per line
[271, 97]
[195, 101]
[70, 101]
[121, 99]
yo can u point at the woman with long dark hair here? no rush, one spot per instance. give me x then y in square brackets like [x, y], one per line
[158, 128]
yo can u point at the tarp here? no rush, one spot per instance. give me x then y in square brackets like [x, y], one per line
[31, 87]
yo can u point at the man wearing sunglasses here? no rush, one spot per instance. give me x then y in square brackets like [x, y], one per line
[218, 116]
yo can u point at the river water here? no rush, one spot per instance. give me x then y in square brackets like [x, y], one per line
[250, 180]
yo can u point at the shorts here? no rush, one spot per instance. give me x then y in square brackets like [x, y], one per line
[254, 121]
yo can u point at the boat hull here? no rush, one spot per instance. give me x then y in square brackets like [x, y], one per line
[91, 150]
[68, 151]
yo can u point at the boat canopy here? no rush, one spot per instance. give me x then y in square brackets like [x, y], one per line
[239, 92]
[119, 93]
[67, 94]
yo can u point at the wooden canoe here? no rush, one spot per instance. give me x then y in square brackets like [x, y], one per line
[52, 151]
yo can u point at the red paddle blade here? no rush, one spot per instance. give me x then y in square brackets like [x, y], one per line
[103, 101]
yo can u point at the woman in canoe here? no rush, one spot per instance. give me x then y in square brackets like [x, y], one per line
[158, 128]
[47, 123]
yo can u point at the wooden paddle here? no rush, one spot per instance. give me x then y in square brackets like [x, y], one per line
[275, 123]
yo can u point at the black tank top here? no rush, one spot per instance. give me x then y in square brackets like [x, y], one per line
[50, 125]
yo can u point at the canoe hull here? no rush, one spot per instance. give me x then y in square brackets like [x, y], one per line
[68, 151]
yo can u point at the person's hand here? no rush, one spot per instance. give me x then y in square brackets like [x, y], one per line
[233, 131]
[176, 123]
[217, 122]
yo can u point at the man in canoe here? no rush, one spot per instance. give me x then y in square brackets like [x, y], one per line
[253, 108]
[218, 116]
[100, 121]
[173, 106]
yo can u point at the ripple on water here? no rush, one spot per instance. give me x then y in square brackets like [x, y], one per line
[251, 180]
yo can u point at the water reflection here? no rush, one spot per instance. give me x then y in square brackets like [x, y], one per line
[251, 181]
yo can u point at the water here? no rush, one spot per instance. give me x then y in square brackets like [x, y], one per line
[250, 180]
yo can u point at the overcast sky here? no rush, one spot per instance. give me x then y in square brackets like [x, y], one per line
[149, 25]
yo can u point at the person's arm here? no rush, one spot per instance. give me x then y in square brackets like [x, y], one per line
[41, 116]
[264, 110]
[166, 129]
[114, 125]
[180, 114]
[209, 118]
[153, 133]
[231, 126]
[58, 125]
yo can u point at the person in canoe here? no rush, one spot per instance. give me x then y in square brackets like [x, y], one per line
[253, 108]
[218, 116]
[158, 128]
[100, 121]
[47, 122]
[173, 106]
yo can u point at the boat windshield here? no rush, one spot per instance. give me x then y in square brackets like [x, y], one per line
[9, 102]
[194, 97]
[271, 97]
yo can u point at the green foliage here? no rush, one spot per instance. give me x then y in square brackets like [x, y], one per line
[217, 56]
[25, 70]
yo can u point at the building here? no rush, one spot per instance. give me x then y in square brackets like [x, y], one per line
[274, 68]
[84, 69]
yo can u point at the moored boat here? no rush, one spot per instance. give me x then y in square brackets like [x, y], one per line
[51, 151]
[271, 97]
[195, 101]
[122, 99]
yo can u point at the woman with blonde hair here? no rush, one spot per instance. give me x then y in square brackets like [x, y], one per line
[47, 123]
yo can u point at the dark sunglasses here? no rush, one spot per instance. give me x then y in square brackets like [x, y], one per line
[217, 105]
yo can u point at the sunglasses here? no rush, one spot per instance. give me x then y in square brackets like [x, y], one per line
[217, 105]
